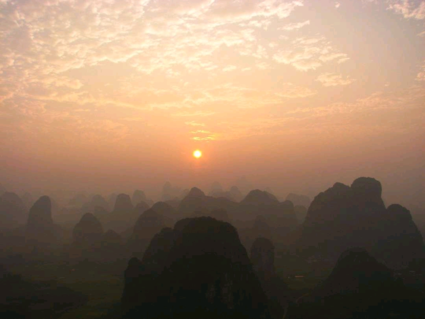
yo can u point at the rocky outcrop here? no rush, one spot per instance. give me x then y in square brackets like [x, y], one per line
[367, 191]
[87, 237]
[360, 287]
[111, 240]
[263, 207]
[205, 273]
[156, 254]
[112, 247]
[88, 232]
[140, 208]
[41, 233]
[355, 270]
[400, 242]
[262, 258]
[123, 204]
[344, 217]
[168, 213]
[219, 214]
[196, 200]
[174, 203]
[259, 229]
[147, 225]
[258, 197]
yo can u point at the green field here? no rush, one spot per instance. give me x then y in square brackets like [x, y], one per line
[103, 290]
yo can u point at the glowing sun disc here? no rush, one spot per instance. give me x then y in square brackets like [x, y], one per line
[197, 154]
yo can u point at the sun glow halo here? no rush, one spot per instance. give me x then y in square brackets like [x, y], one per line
[197, 154]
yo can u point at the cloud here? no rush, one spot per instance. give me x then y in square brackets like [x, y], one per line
[330, 79]
[193, 123]
[310, 54]
[193, 114]
[421, 75]
[409, 9]
[292, 91]
[78, 65]
[295, 26]
[203, 135]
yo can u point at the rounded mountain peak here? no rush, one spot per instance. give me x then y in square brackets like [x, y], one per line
[123, 203]
[89, 218]
[367, 186]
[196, 192]
[42, 208]
[399, 212]
[258, 197]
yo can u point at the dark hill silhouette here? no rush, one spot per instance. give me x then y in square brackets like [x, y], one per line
[206, 274]
[279, 217]
[123, 204]
[147, 225]
[88, 231]
[360, 287]
[41, 233]
[112, 247]
[140, 208]
[344, 217]
[87, 236]
[354, 271]
[111, 239]
[173, 203]
[168, 213]
[219, 214]
[196, 200]
[262, 258]
[260, 228]
[258, 197]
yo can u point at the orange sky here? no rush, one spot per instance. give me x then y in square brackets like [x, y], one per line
[295, 95]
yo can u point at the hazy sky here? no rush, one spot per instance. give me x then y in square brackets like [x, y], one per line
[296, 95]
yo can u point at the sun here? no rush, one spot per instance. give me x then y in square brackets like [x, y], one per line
[197, 154]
